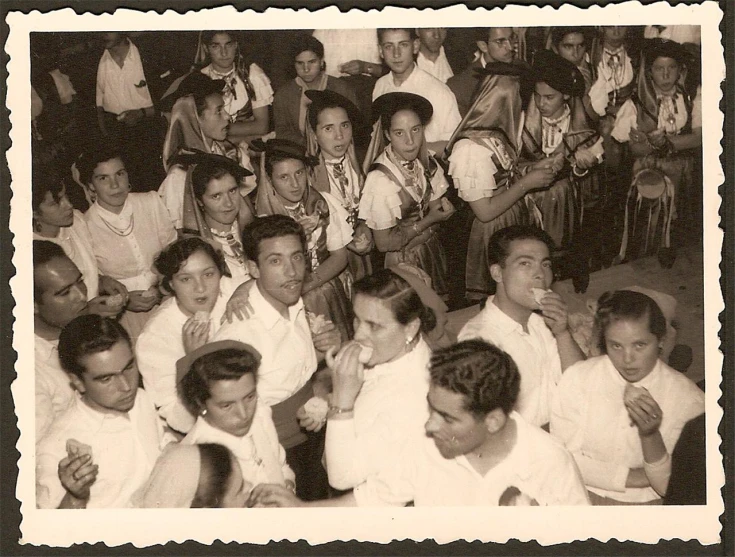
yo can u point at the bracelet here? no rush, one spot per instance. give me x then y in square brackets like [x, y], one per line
[336, 410]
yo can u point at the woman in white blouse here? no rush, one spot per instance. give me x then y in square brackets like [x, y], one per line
[380, 379]
[620, 414]
[248, 93]
[191, 270]
[218, 384]
[128, 230]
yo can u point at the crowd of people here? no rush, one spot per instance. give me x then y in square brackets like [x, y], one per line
[242, 279]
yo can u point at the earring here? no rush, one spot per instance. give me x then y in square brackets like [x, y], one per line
[203, 412]
[36, 224]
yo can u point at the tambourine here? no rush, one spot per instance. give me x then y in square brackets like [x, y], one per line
[650, 183]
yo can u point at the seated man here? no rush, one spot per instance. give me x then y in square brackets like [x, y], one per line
[541, 344]
[60, 295]
[278, 329]
[103, 448]
[477, 450]
[398, 48]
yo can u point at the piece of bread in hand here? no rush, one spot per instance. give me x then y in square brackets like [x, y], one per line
[632, 392]
[538, 294]
[77, 448]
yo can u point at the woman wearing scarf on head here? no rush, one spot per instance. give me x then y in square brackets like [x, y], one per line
[198, 123]
[332, 120]
[403, 201]
[290, 102]
[663, 125]
[284, 189]
[557, 132]
[247, 94]
[483, 162]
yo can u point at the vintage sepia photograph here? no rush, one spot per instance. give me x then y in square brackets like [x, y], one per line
[271, 261]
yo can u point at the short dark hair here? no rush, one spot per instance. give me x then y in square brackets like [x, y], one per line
[85, 335]
[305, 42]
[627, 305]
[207, 36]
[313, 113]
[558, 34]
[43, 252]
[270, 226]
[285, 151]
[400, 297]
[498, 247]
[173, 256]
[411, 32]
[203, 173]
[214, 473]
[227, 364]
[45, 179]
[100, 152]
[486, 376]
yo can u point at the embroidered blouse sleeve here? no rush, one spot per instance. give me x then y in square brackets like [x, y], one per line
[380, 205]
[472, 168]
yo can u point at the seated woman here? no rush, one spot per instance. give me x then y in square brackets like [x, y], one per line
[198, 123]
[483, 163]
[557, 131]
[248, 93]
[128, 231]
[215, 210]
[284, 189]
[380, 380]
[192, 271]
[55, 220]
[194, 476]
[662, 123]
[621, 414]
[402, 201]
[291, 103]
[329, 137]
[217, 384]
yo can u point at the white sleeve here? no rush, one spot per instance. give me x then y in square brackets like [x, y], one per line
[380, 204]
[171, 193]
[626, 120]
[262, 87]
[472, 168]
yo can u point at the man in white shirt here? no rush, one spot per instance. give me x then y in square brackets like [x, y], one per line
[540, 343]
[278, 329]
[431, 56]
[60, 295]
[477, 450]
[103, 448]
[398, 47]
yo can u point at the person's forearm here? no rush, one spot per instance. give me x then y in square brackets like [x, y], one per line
[653, 447]
[398, 237]
[569, 350]
[255, 127]
[71, 502]
[488, 209]
[637, 478]
[687, 141]
[329, 269]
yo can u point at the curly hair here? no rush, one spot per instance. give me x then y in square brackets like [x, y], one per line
[265, 228]
[85, 335]
[627, 305]
[227, 364]
[96, 154]
[171, 258]
[486, 376]
[400, 297]
[498, 248]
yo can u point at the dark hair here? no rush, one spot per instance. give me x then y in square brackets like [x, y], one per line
[203, 173]
[45, 179]
[102, 151]
[264, 228]
[400, 297]
[173, 256]
[214, 473]
[274, 157]
[313, 113]
[200, 100]
[43, 252]
[207, 36]
[85, 335]
[305, 42]
[627, 305]
[411, 32]
[498, 247]
[486, 376]
[558, 34]
[227, 364]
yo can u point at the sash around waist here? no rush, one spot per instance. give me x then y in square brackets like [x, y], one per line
[284, 417]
